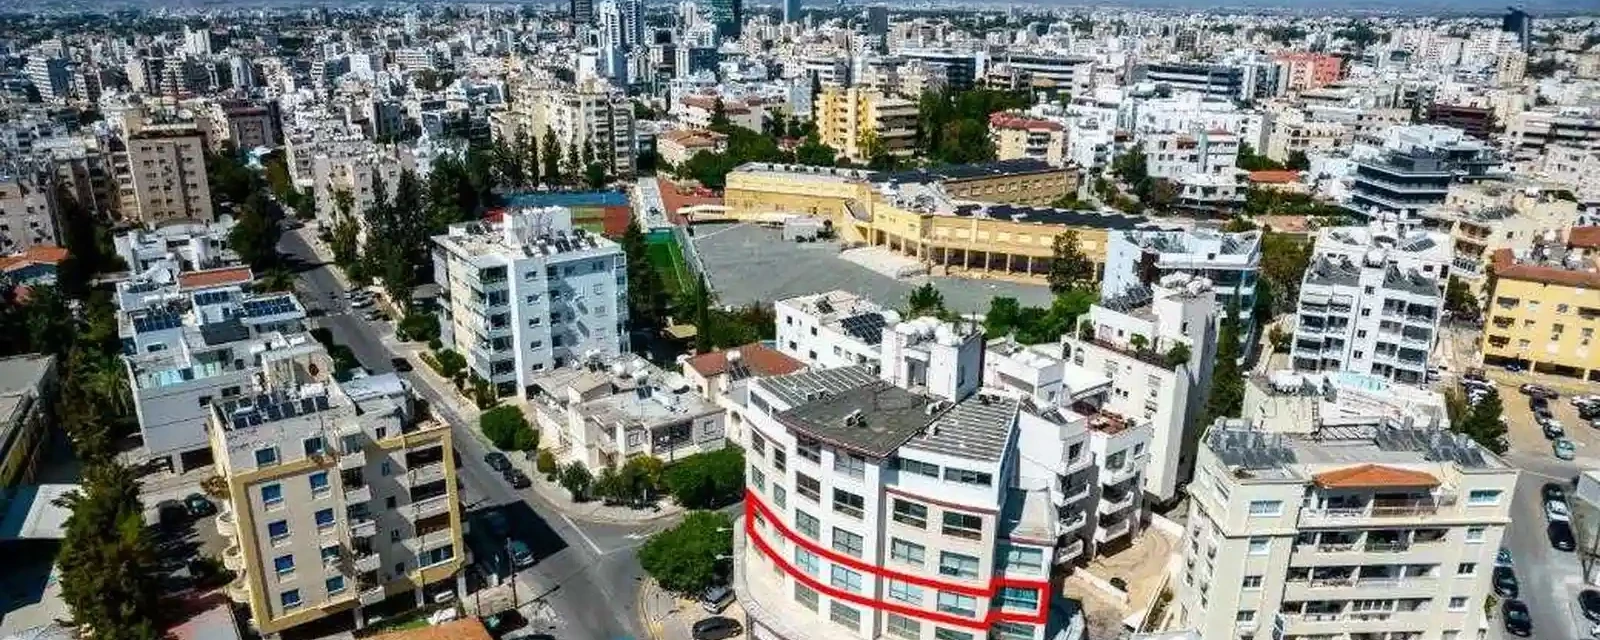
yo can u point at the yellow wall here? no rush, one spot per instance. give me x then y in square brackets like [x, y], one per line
[1520, 310]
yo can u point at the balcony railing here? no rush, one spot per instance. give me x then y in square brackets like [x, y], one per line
[1386, 509]
[1103, 534]
[357, 494]
[426, 473]
[1070, 522]
[354, 459]
[428, 507]
[1112, 505]
[372, 595]
[364, 527]
[1070, 552]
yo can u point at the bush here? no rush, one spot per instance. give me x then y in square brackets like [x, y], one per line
[422, 327]
[546, 464]
[508, 430]
[707, 480]
[636, 483]
[684, 559]
[575, 478]
[435, 344]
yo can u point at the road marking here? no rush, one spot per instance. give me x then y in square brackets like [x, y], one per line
[581, 534]
[722, 230]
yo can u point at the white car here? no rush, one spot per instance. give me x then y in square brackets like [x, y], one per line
[1555, 510]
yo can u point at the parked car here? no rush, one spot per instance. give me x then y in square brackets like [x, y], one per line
[497, 461]
[1552, 429]
[1514, 367]
[361, 303]
[1505, 582]
[521, 556]
[716, 628]
[1552, 491]
[1560, 534]
[516, 478]
[400, 364]
[1554, 510]
[1589, 603]
[172, 514]
[1475, 374]
[198, 506]
[1563, 449]
[1502, 558]
[716, 598]
[1517, 620]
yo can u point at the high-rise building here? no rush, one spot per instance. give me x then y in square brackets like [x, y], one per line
[791, 11]
[1517, 21]
[52, 77]
[1231, 261]
[877, 20]
[1414, 171]
[580, 11]
[846, 117]
[164, 178]
[608, 24]
[1354, 530]
[197, 42]
[244, 76]
[633, 23]
[530, 294]
[728, 16]
[27, 215]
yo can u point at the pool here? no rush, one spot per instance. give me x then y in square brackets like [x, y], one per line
[573, 199]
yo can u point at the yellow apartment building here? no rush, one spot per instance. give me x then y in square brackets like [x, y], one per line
[847, 118]
[1543, 316]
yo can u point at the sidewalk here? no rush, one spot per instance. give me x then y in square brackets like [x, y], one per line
[664, 616]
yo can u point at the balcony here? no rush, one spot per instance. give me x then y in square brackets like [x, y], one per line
[354, 459]
[430, 472]
[371, 595]
[357, 494]
[1384, 510]
[225, 526]
[1073, 495]
[1069, 552]
[1350, 587]
[239, 589]
[233, 557]
[366, 561]
[427, 507]
[1104, 534]
[1071, 522]
[1117, 475]
[430, 540]
[1109, 505]
[363, 527]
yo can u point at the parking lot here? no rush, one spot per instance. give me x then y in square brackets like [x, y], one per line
[1527, 437]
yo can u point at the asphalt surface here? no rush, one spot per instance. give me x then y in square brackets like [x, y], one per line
[587, 573]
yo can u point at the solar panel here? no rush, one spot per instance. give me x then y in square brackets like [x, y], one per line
[156, 322]
[867, 327]
[823, 306]
[259, 307]
[207, 298]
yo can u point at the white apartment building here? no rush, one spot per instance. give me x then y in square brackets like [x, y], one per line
[355, 169]
[337, 498]
[176, 248]
[1355, 533]
[27, 216]
[1293, 131]
[591, 112]
[1156, 345]
[604, 412]
[897, 504]
[1176, 156]
[1231, 261]
[832, 329]
[529, 294]
[724, 377]
[1194, 111]
[1289, 402]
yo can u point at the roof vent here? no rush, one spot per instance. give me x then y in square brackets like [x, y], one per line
[854, 419]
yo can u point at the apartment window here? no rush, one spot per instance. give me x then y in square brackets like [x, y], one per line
[780, 460]
[958, 604]
[272, 496]
[805, 596]
[1011, 631]
[779, 496]
[963, 525]
[850, 464]
[758, 479]
[319, 484]
[806, 560]
[965, 476]
[334, 585]
[1458, 603]
[1266, 508]
[907, 552]
[266, 456]
[315, 446]
[436, 555]
[846, 542]
[1251, 582]
[957, 565]
[284, 565]
[900, 626]
[808, 487]
[324, 519]
[905, 592]
[807, 524]
[758, 444]
[1025, 559]
[278, 531]
[918, 467]
[1019, 598]
[848, 503]
[1475, 534]
[846, 579]
[1466, 568]
[330, 553]
[1247, 615]
[1483, 497]
[290, 599]
[809, 449]
[1259, 546]
[844, 616]
[941, 633]
[911, 513]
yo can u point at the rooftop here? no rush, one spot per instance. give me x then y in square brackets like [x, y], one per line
[799, 388]
[754, 359]
[874, 419]
[978, 428]
[1373, 476]
[996, 168]
[215, 277]
[1571, 271]
[1253, 453]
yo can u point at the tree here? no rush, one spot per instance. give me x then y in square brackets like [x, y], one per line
[1279, 339]
[595, 175]
[1284, 260]
[719, 115]
[1161, 195]
[109, 568]
[1483, 424]
[926, 300]
[1298, 161]
[508, 429]
[706, 480]
[1069, 267]
[575, 478]
[1226, 399]
[684, 559]
[1138, 342]
[545, 463]
[702, 316]
[48, 321]
[1249, 161]
[813, 152]
[647, 294]
[1459, 300]
[552, 158]
[255, 234]
[1178, 355]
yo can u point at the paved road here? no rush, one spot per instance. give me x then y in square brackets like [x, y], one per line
[587, 573]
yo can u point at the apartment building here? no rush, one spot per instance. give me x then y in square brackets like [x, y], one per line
[530, 293]
[592, 112]
[1414, 169]
[52, 77]
[1289, 402]
[1299, 71]
[1572, 126]
[831, 329]
[1016, 136]
[338, 498]
[29, 389]
[1544, 306]
[164, 176]
[1482, 218]
[1231, 261]
[1366, 532]
[723, 378]
[848, 119]
[355, 169]
[27, 215]
[1221, 81]
[1190, 111]
[1293, 131]
[697, 111]
[896, 504]
[177, 248]
[603, 412]
[1176, 155]
[1155, 347]
[1029, 71]
[679, 145]
[246, 125]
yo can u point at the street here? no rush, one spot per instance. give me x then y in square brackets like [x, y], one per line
[587, 573]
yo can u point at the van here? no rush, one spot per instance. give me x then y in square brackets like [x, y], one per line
[716, 598]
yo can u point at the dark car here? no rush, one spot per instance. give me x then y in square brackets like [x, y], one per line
[717, 628]
[500, 624]
[1518, 622]
[1553, 492]
[401, 364]
[172, 514]
[516, 478]
[1505, 582]
[497, 461]
[198, 506]
[1589, 602]
[1561, 535]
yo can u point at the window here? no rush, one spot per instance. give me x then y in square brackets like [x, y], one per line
[266, 456]
[290, 599]
[284, 565]
[436, 555]
[910, 513]
[1259, 546]
[905, 592]
[963, 525]
[1260, 508]
[906, 552]
[809, 449]
[848, 504]
[843, 615]
[846, 579]
[324, 519]
[272, 496]
[1458, 603]
[958, 604]
[1483, 497]
[335, 585]
[846, 542]
[1475, 534]
[1251, 582]
[1025, 559]
[806, 560]
[918, 467]
[758, 444]
[950, 634]
[757, 479]
[850, 464]
[807, 524]
[278, 531]
[1247, 615]
[1466, 568]
[1012, 631]
[900, 626]
[779, 460]
[808, 487]
[958, 565]
[779, 496]
[805, 596]
[315, 446]
[1019, 598]
[965, 476]
[319, 484]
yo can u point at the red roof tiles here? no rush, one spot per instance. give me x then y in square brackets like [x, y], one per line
[1373, 475]
[215, 277]
[760, 359]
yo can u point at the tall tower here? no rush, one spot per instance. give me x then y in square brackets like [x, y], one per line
[633, 22]
[728, 15]
[791, 10]
[580, 11]
[1517, 21]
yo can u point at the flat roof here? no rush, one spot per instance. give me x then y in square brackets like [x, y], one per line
[978, 428]
[796, 388]
[30, 512]
[888, 417]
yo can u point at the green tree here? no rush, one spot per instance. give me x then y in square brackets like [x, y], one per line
[508, 430]
[595, 175]
[719, 115]
[686, 558]
[1249, 161]
[1284, 260]
[647, 294]
[1459, 300]
[255, 234]
[1483, 424]
[545, 463]
[575, 478]
[926, 300]
[1297, 161]
[1069, 267]
[109, 568]
[706, 480]
[1226, 399]
[704, 332]
[551, 153]
[813, 152]
[49, 321]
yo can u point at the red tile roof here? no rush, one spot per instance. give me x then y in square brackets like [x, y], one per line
[1584, 237]
[215, 277]
[760, 359]
[42, 254]
[1507, 267]
[1274, 177]
[1012, 121]
[464, 629]
[1373, 475]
